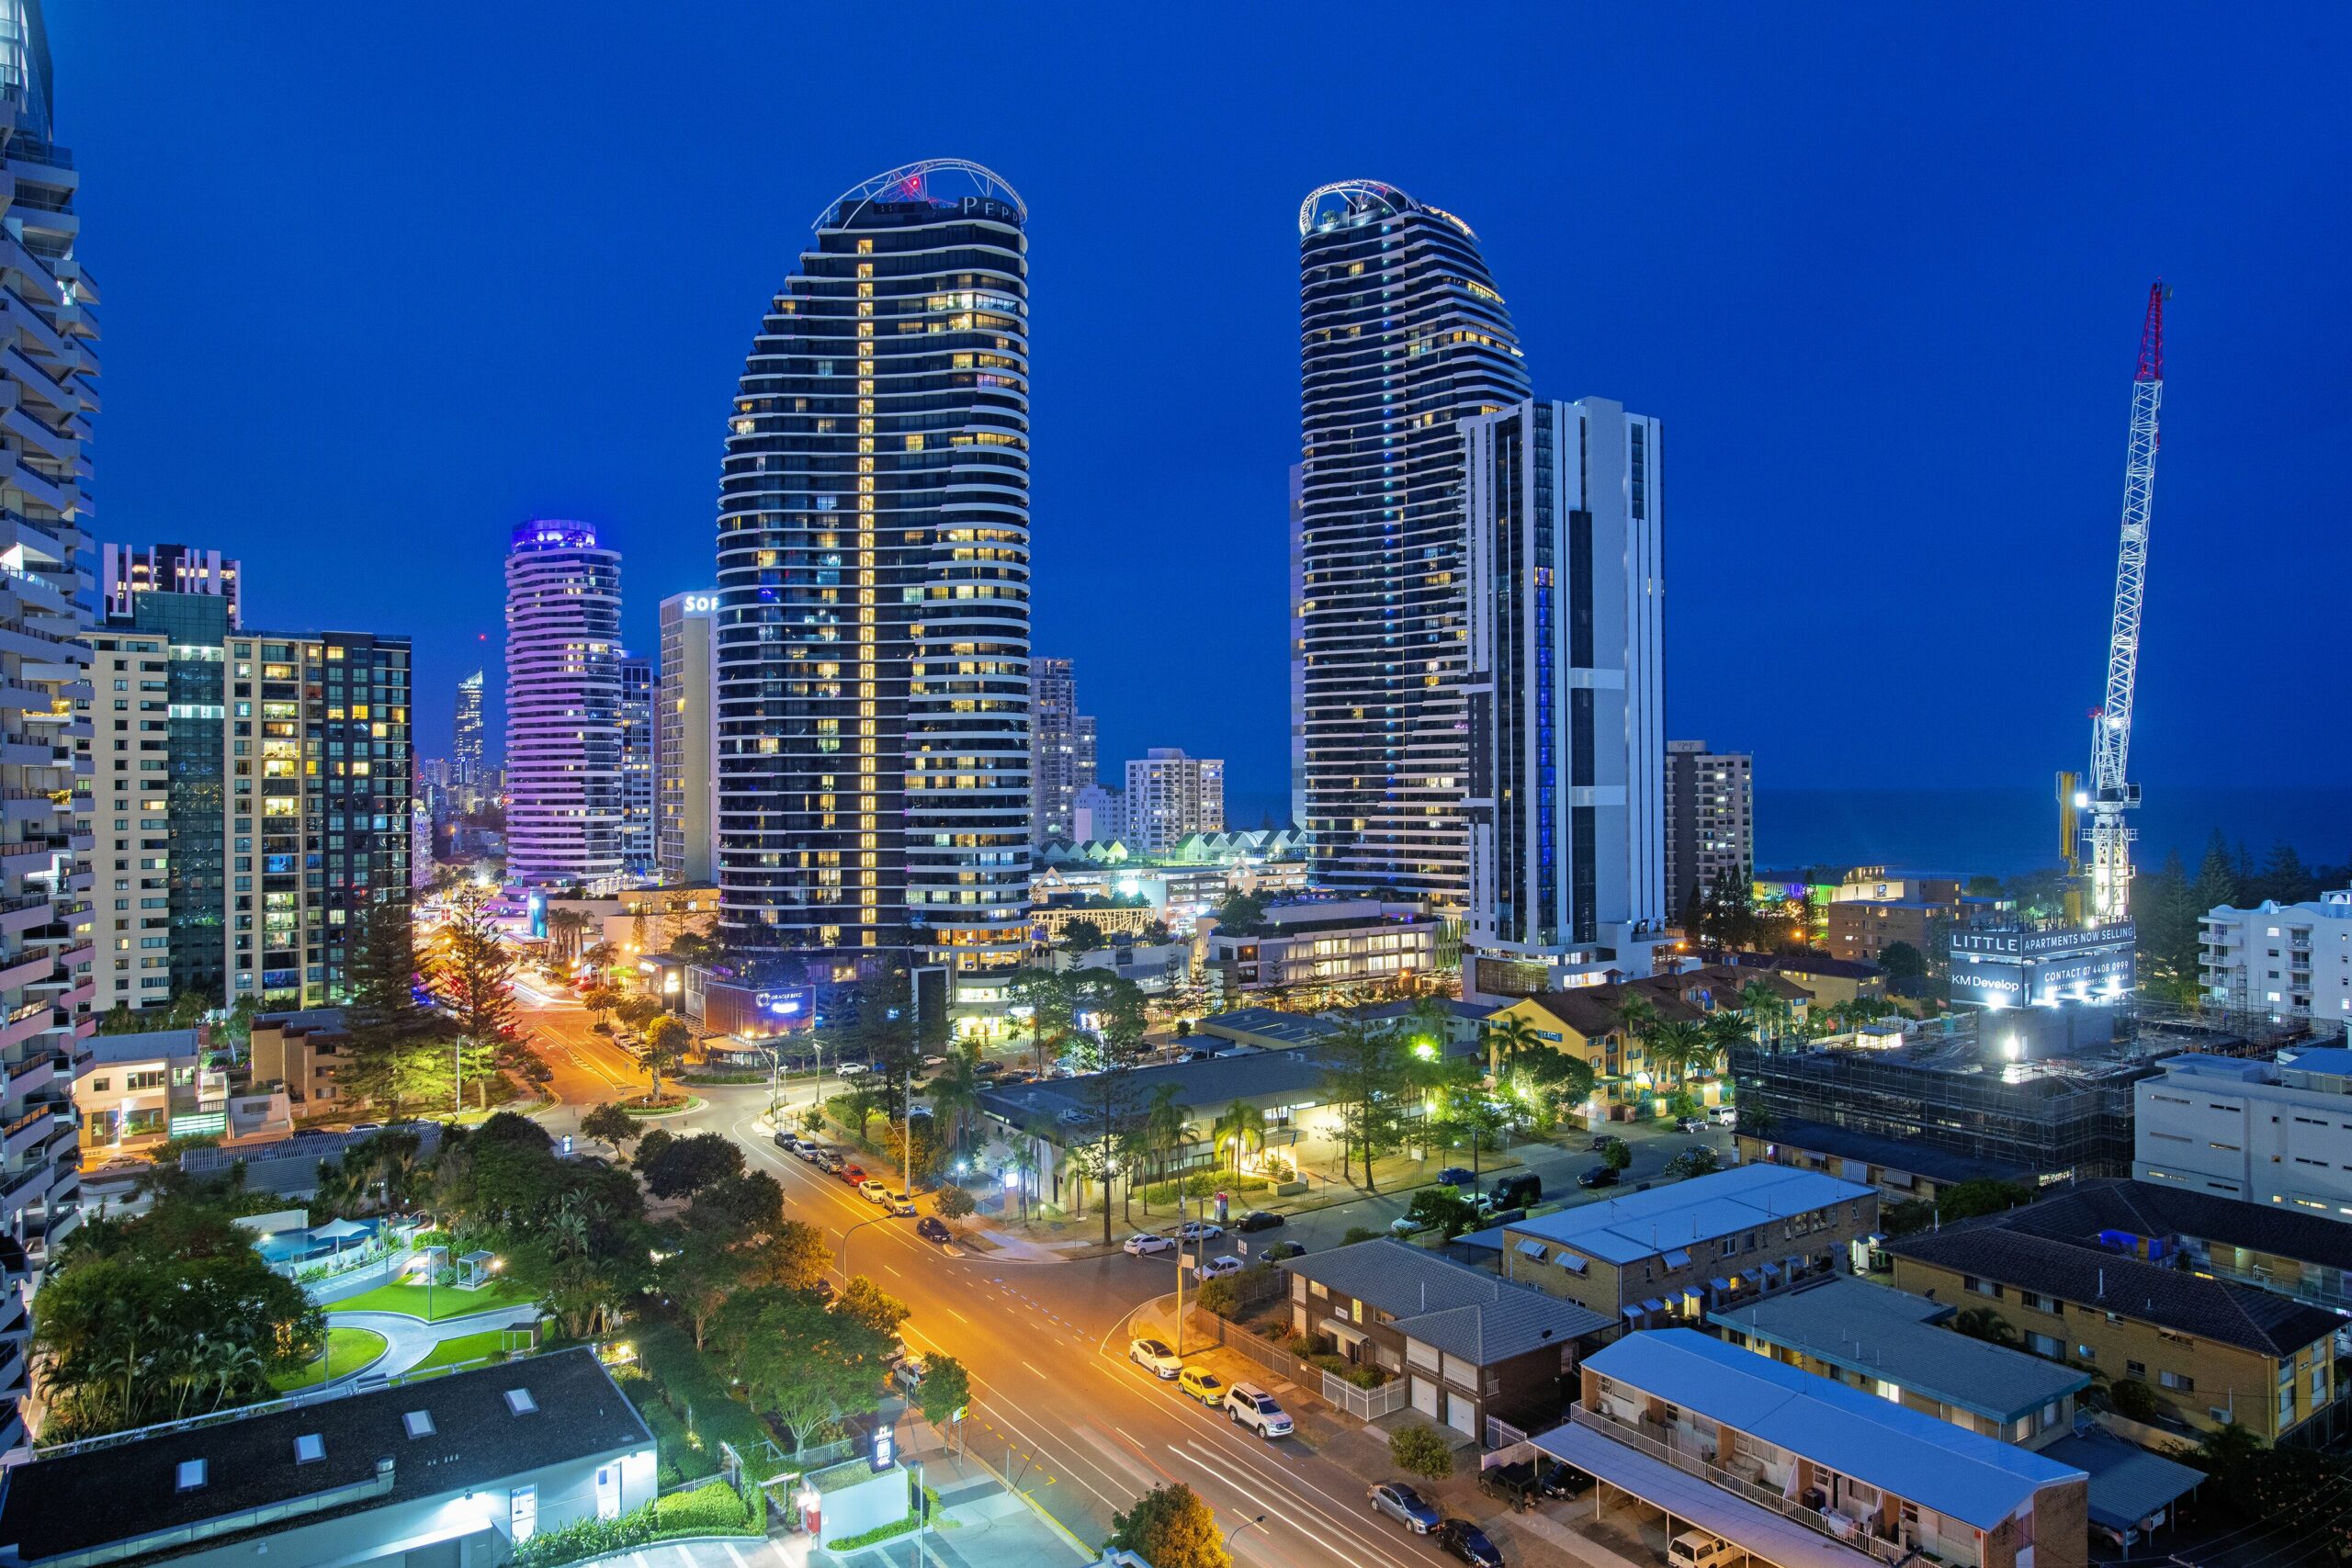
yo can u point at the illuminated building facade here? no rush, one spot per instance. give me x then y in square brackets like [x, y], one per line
[635, 719]
[1402, 333]
[564, 697]
[873, 788]
[126, 571]
[685, 734]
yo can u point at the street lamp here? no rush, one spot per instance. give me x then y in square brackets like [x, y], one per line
[1237, 1529]
[853, 1231]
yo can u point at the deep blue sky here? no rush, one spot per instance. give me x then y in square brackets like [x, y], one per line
[379, 283]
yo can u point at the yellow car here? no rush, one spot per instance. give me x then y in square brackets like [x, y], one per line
[1205, 1386]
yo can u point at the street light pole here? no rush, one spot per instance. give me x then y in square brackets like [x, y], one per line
[1236, 1531]
[846, 1236]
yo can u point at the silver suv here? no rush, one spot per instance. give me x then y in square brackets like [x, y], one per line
[1246, 1404]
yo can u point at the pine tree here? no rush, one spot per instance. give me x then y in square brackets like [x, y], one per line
[2217, 880]
[391, 1036]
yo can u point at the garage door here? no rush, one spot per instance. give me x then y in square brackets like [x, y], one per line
[1461, 1413]
[1425, 1397]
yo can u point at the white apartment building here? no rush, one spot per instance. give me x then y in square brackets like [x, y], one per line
[685, 740]
[1710, 819]
[1098, 816]
[2290, 960]
[1169, 795]
[564, 695]
[2276, 1133]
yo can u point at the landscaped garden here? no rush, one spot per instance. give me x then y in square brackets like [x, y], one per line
[487, 1346]
[348, 1349]
[436, 1302]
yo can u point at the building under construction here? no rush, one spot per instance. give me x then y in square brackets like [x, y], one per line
[2042, 1096]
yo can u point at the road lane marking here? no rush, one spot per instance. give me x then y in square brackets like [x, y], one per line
[1365, 1544]
[959, 1317]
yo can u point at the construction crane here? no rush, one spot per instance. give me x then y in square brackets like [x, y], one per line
[2110, 795]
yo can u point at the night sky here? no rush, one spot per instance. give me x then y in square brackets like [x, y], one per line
[380, 282]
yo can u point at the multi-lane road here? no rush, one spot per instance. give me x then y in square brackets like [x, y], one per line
[1057, 1406]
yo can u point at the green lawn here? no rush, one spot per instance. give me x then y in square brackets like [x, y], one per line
[348, 1349]
[464, 1348]
[448, 1300]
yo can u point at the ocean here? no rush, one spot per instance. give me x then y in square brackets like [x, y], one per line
[2003, 833]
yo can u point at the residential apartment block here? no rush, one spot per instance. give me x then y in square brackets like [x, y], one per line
[1172, 796]
[1330, 944]
[685, 740]
[2211, 1352]
[1675, 1253]
[1710, 821]
[635, 718]
[126, 570]
[1803, 1472]
[2276, 1133]
[1061, 749]
[2288, 960]
[253, 791]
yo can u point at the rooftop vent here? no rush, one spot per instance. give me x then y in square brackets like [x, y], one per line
[310, 1448]
[191, 1474]
[419, 1423]
[519, 1402]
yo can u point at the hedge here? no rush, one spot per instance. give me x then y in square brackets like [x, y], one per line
[677, 1456]
[1204, 1184]
[685, 1379]
[713, 1508]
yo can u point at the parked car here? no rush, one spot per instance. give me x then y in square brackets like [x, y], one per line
[829, 1162]
[1282, 1249]
[1598, 1176]
[852, 1174]
[901, 1204]
[1257, 1220]
[1561, 1479]
[1518, 1190]
[1697, 1548]
[1513, 1483]
[1199, 1230]
[810, 1149]
[1246, 1404]
[1688, 1125]
[988, 1069]
[789, 1142]
[907, 1372]
[1600, 1142]
[1218, 1268]
[852, 1070]
[1143, 1244]
[1155, 1357]
[1458, 1176]
[1404, 1504]
[1724, 1115]
[823, 1290]
[931, 1227]
[1468, 1542]
[874, 1191]
[1202, 1384]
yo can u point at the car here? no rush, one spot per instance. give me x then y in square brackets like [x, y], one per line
[1282, 1249]
[931, 1227]
[830, 1161]
[366, 1127]
[1598, 1176]
[808, 1149]
[1468, 1542]
[1257, 1220]
[1600, 1142]
[852, 1070]
[989, 1070]
[1199, 1230]
[873, 1191]
[1518, 1191]
[1697, 1548]
[1458, 1176]
[1246, 1404]
[852, 1174]
[789, 1142]
[1724, 1115]
[1560, 1479]
[1202, 1384]
[1155, 1357]
[1513, 1483]
[1404, 1504]
[822, 1289]
[1688, 1125]
[907, 1372]
[1403, 1227]
[1143, 1244]
[935, 1062]
[901, 1204]
[1218, 1268]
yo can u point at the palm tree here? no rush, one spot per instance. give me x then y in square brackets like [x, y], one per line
[1676, 1047]
[1165, 1128]
[1766, 1006]
[1506, 1041]
[1244, 1126]
[955, 1094]
[1726, 1027]
[564, 927]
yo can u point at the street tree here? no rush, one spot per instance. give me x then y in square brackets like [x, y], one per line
[1242, 1129]
[872, 1305]
[1169, 1526]
[946, 1390]
[611, 1126]
[683, 1167]
[666, 1039]
[1418, 1448]
[600, 999]
[1364, 1075]
[474, 980]
[790, 1355]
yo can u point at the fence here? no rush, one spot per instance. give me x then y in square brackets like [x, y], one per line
[1662, 1447]
[1363, 1404]
[1502, 1434]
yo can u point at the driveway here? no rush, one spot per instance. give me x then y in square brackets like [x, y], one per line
[408, 1340]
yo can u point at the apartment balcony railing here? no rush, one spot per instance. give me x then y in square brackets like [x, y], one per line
[1660, 1443]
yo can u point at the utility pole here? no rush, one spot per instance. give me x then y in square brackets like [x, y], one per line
[1180, 1265]
[907, 1115]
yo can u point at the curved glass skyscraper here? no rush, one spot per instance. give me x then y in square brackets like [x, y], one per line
[1402, 333]
[873, 657]
[564, 697]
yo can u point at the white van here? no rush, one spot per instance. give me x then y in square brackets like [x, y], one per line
[1697, 1548]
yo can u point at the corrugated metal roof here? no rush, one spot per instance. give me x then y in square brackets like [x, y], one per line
[2128, 1483]
[1874, 1441]
[1705, 1208]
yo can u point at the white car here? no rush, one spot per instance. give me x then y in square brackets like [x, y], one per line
[852, 1070]
[1143, 1244]
[1199, 1230]
[1155, 1357]
[902, 1204]
[907, 1372]
[1246, 1404]
[874, 1191]
[1697, 1548]
[1218, 1268]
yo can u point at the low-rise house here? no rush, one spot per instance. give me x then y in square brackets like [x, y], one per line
[1803, 1472]
[1902, 1348]
[2209, 1351]
[1677, 1252]
[1829, 981]
[133, 1091]
[303, 1053]
[457, 1470]
[1472, 1346]
[1588, 1022]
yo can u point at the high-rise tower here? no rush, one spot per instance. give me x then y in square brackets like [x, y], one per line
[1061, 746]
[46, 942]
[126, 571]
[469, 783]
[1402, 333]
[563, 695]
[873, 787]
[685, 740]
[635, 718]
